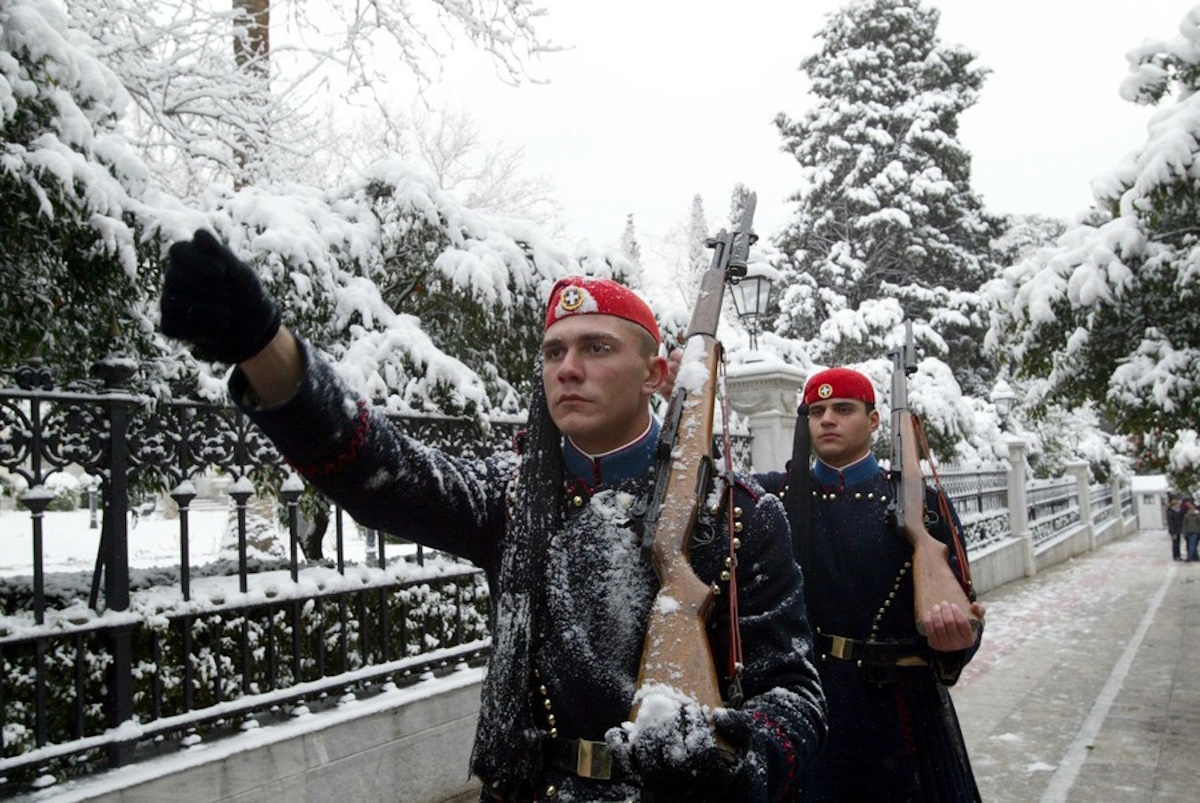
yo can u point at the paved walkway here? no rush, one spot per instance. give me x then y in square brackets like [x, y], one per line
[1087, 686]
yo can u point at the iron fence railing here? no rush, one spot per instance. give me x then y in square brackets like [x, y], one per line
[1053, 507]
[97, 682]
[981, 500]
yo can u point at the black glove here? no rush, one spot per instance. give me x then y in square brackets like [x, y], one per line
[675, 756]
[214, 301]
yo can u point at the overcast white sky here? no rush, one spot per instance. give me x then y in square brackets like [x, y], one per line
[658, 101]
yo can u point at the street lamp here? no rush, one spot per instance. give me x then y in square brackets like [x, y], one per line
[1003, 397]
[751, 295]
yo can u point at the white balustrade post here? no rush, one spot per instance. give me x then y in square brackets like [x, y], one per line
[1118, 514]
[1079, 470]
[767, 394]
[1018, 506]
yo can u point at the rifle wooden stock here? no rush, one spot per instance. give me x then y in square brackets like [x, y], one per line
[933, 579]
[676, 652]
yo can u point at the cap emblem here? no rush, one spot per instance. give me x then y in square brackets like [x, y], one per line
[825, 391]
[572, 298]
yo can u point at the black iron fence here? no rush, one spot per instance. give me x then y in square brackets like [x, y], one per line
[95, 671]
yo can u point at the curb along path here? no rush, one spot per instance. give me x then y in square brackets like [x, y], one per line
[1087, 686]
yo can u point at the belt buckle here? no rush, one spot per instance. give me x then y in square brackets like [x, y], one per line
[840, 647]
[593, 760]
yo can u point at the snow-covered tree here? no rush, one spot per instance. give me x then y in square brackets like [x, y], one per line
[737, 203]
[887, 227]
[699, 256]
[1025, 234]
[232, 90]
[487, 176]
[73, 267]
[1111, 313]
[629, 243]
[385, 272]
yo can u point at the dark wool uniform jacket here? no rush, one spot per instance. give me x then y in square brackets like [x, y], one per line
[893, 732]
[598, 588]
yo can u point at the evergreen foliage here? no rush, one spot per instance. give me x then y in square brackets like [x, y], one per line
[1110, 315]
[629, 243]
[887, 227]
[699, 255]
[72, 265]
[385, 272]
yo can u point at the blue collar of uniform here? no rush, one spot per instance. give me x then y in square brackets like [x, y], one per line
[857, 472]
[629, 461]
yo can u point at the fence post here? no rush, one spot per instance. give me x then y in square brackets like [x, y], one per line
[1083, 489]
[1018, 507]
[115, 551]
[766, 392]
[1118, 513]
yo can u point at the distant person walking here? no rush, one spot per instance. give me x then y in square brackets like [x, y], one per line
[1174, 524]
[1191, 527]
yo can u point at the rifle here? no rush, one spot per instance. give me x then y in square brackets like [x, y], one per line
[933, 579]
[676, 652]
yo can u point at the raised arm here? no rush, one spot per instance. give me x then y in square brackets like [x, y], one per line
[215, 302]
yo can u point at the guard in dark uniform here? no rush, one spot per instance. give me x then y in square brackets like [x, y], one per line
[556, 534]
[893, 732]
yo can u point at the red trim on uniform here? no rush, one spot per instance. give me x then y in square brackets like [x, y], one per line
[753, 494]
[788, 749]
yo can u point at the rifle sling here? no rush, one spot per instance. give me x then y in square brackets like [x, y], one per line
[797, 502]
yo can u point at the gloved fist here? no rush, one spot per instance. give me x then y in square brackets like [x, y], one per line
[672, 752]
[214, 301]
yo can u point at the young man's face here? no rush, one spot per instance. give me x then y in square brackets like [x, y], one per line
[600, 372]
[841, 430]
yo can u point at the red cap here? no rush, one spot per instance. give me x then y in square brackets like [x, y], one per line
[583, 295]
[839, 383]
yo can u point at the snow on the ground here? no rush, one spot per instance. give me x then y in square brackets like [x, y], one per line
[70, 544]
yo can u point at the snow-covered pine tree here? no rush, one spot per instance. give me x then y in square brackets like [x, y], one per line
[699, 256]
[1111, 314]
[737, 203]
[629, 243]
[887, 226]
[630, 247]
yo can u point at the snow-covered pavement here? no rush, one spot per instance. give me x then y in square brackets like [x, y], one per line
[1087, 686]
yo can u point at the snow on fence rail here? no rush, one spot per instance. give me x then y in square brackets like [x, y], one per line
[112, 654]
